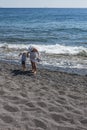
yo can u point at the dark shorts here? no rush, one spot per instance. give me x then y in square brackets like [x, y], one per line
[23, 62]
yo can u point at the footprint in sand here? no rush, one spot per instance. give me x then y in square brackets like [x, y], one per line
[30, 104]
[58, 117]
[10, 108]
[17, 100]
[84, 121]
[23, 95]
[40, 123]
[55, 109]
[14, 98]
[42, 104]
[9, 120]
[6, 118]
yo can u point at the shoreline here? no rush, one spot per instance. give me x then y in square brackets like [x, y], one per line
[67, 70]
[48, 100]
[65, 62]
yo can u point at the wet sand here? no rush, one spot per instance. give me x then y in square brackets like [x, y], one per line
[49, 100]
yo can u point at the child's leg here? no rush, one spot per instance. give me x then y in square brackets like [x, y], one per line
[23, 66]
[33, 67]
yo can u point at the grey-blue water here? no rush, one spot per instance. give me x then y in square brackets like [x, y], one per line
[60, 33]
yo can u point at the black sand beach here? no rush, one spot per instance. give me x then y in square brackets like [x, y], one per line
[49, 100]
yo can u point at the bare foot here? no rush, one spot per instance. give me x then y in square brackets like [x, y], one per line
[34, 72]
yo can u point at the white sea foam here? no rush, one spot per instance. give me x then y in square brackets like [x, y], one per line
[68, 61]
[51, 49]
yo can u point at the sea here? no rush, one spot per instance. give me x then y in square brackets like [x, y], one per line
[60, 35]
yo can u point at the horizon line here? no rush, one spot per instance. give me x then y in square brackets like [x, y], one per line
[46, 7]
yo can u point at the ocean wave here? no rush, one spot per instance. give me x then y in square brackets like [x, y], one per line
[62, 29]
[77, 29]
[50, 49]
[60, 57]
[82, 53]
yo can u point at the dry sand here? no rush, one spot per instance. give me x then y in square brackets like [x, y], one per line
[48, 101]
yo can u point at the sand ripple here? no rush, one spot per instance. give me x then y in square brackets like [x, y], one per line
[47, 101]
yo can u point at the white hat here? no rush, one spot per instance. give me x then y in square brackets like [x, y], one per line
[30, 48]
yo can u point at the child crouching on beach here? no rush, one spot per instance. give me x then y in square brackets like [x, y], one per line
[23, 60]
